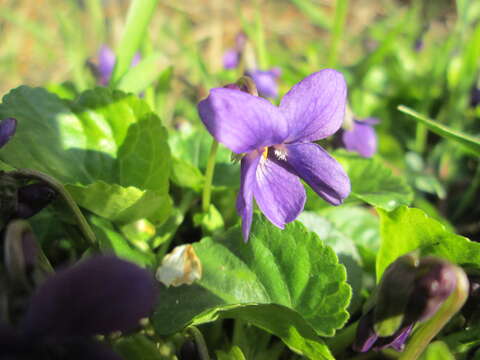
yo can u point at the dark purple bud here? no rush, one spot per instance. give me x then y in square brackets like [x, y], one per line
[362, 138]
[418, 45]
[231, 59]
[97, 296]
[366, 336]
[266, 81]
[435, 281]
[189, 351]
[33, 198]
[7, 130]
[475, 96]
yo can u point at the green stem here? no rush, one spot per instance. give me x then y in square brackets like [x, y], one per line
[207, 188]
[343, 339]
[427, 331]
[200, 341]
[341, 9]
[58, 187]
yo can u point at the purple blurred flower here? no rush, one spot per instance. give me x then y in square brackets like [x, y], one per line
[411, 287]
[106, 63]
[231, 58]
[100, 295]
[266, 81]
[361, 138]
[277, 143]
[475, 97]
[7, 130]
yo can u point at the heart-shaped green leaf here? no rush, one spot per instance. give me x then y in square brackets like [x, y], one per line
[286, 282]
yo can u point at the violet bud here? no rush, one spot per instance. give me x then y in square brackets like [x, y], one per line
[361, 138]
[97, 296]
[411, 291]
[266, 81]
[8, 127]
[106, 62]
[32, 198]
[475, 97]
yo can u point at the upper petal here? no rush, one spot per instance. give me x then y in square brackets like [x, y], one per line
[242, 122]
[361, 139]
[319, 170]
[280, 194]
[245, 195]
[314, 108]
[98, 296]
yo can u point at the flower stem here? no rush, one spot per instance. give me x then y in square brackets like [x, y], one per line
[58, 187]
[427, 331]
[200, 341]
[207, 188]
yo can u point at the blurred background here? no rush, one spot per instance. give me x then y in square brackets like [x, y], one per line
[422, 54]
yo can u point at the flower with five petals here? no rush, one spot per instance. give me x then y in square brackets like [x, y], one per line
[278, 145]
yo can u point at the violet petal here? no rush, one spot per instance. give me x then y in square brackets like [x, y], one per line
[97, 296]
[8, 127]
[318, 169]
[280, 194]
[361, 139]
[242, 122]
[266, 82]
[314, 108]
[396, 341]
[245, 196]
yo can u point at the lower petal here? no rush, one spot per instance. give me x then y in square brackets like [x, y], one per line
[319, 170]
[245, 195]
[280, 194]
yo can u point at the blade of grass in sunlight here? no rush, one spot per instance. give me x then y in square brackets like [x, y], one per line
[314, 13]
[341, 10]
[139, 77]
[470, 143]
[139, 16]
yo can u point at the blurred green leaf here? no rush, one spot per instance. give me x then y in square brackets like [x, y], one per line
[468, 142]
[374, 183]
[407, 229]
[286, 282]
[437, 350]
[105, 145]
[235, 353]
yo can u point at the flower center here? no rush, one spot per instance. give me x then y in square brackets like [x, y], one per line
[279, 150]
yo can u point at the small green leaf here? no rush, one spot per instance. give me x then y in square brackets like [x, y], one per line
[235, 353]
[407, 229]
[374, 183]
[468, 142]
[112, 241]
[437, 350]
[286, 282]
[137, 347]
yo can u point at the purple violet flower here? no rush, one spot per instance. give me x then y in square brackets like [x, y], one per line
[106, 63]
[8, 127]
[100, 295]
[361, 138]
[278, 145]
[266, 81]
